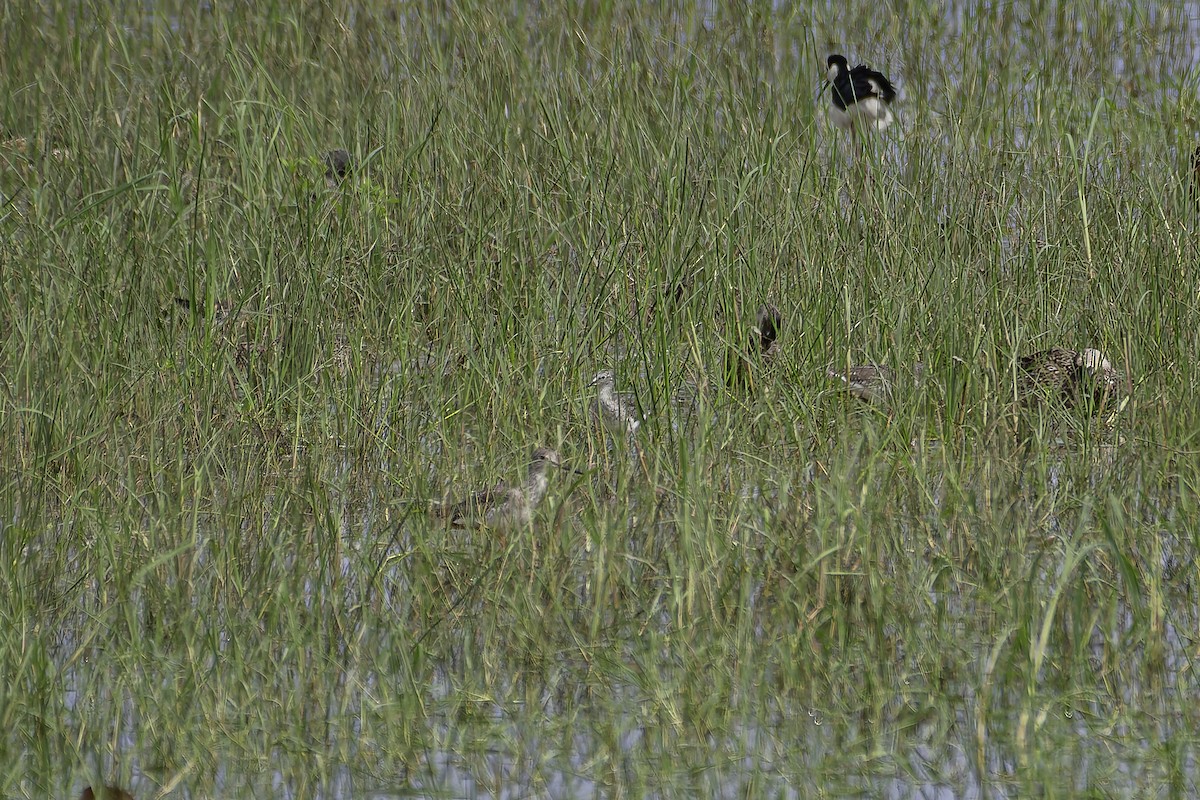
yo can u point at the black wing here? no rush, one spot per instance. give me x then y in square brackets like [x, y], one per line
[860, 83]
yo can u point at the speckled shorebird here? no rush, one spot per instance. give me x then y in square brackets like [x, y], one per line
[1076, 377]
[763, 346]
[233, 324]
[618, 412]
[505, 507]
[873, 383]
[105, 793]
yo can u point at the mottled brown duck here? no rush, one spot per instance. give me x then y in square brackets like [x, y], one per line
[1074, 377]
[763, 348]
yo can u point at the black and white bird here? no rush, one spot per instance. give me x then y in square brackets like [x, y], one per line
[1195, 187]
[861, 96]
[338, 164]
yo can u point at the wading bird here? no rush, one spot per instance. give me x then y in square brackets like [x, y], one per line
[1195, 187]
[504, 507]
[872, 383]
[763, 346]
[618, 412]
[1076, 377]
[337, 166]
[861, 96]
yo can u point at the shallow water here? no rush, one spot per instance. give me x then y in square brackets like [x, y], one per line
[796, 607]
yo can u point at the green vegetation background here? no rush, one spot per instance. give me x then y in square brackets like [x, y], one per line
[217, 574]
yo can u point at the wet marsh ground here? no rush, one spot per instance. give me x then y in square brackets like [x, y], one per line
[230, 390]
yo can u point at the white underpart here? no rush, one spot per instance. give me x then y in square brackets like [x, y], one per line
[833, 72]
[870, 112]
[840, 118]
[514, 512]
[616, 411]
[517, 509]
[1093, 360]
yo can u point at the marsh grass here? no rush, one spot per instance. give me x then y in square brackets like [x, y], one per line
[218, 575]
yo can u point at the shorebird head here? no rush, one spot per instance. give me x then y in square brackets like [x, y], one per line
[835, 65]
[604, 376]
[1195, 187]
[767, 325]
[337, 164]
[544, 457]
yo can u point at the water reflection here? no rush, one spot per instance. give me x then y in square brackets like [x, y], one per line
[639, 685]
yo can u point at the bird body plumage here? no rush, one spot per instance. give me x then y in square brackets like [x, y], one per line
[504, 506]
[861, 95]
[616, 411]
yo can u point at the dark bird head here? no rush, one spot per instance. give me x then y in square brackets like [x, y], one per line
[835, 65]
[337, 164]
[768, 324]
[105, 793]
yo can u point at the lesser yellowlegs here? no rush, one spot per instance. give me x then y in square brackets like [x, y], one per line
[1195, 187]
[232, 324]
[618, 412]
[505, 506]
[222, 310]
[873, 382]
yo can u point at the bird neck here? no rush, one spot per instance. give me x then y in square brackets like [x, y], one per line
[536, 485]
[612, 401]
